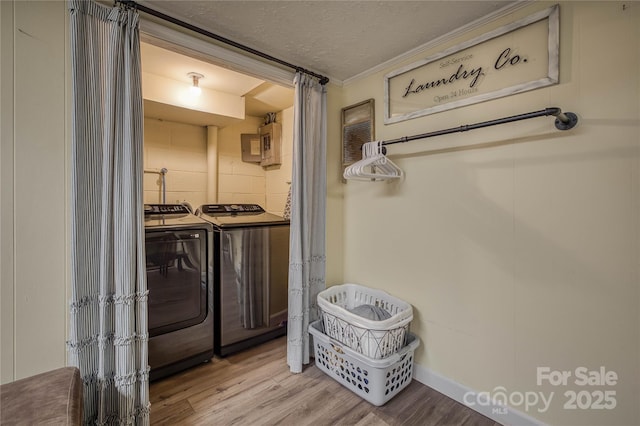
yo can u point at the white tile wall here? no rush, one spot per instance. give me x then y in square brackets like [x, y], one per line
[238, 181]
[182, 150]
[240, 184]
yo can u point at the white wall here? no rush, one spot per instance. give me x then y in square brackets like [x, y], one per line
[33, 256]
[181, 149]
[518, 245]
[184, 150]
[242, 182]
[278, 177]
[239, 181]
[335, 235]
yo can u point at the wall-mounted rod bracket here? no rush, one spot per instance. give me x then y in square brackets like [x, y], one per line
[564, 121]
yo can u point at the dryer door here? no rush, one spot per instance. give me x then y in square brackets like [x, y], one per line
[176, 279]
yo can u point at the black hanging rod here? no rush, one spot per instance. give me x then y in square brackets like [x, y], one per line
[564, 121]
[130, 3]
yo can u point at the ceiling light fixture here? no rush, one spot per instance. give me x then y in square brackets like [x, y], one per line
[195, 78]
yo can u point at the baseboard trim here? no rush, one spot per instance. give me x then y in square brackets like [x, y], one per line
[457, 391]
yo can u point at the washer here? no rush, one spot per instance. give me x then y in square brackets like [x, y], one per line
[251, 260]
[179, 278]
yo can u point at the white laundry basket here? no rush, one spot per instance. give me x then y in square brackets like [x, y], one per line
[375, 339]
[375, 380]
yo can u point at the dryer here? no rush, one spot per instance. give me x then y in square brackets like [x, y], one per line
[178, 249]
[251, 261]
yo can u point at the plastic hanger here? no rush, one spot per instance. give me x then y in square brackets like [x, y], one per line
[374, 166]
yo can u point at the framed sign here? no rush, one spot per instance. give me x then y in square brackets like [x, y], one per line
[357, 129]
[515, 58]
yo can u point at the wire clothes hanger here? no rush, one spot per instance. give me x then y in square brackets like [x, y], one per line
[375, 166]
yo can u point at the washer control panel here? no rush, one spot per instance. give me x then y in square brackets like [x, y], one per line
[165, 209]
[218, 209]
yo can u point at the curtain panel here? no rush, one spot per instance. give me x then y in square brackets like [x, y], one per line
[108, 307]
[308, 200]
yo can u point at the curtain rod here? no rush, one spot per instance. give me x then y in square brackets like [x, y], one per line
[564, 121]
[130, 3]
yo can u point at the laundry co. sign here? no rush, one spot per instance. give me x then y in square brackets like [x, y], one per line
[515, 58]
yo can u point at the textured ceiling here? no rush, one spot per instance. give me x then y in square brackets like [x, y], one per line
[340, 39]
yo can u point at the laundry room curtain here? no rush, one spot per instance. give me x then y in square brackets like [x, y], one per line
[108, 306]
[308, 199]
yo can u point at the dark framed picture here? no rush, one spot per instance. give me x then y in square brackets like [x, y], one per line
[358, 127]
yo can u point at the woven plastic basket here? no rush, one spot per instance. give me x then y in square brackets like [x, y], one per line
[375, 339]
[375, 380]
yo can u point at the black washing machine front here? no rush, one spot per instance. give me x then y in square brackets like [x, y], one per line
[251, 264]
[178, 248]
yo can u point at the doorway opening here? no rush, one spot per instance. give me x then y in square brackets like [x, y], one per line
[213, 145]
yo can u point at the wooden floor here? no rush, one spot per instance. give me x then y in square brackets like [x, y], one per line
[255, 387]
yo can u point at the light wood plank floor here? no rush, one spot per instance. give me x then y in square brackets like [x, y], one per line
[255, 388]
